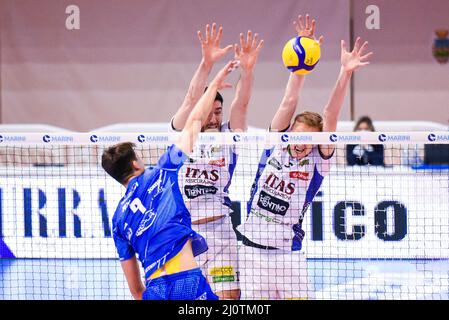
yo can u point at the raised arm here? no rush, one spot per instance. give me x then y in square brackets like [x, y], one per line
[247, 54]
[132, 274]
[284, 114]
[202, 109]
[211, 53]
[350, 61]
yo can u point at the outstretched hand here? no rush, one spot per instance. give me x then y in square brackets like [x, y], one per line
[220, 78]
[307, 28]
[351, 61]
[248, 51]
[210, 44]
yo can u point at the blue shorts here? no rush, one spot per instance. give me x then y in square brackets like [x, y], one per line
[185, 285]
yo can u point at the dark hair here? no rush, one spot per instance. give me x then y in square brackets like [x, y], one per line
[218, 96]
[367, 120]
[117, 161]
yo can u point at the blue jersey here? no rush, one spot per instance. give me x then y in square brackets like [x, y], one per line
[151, 219]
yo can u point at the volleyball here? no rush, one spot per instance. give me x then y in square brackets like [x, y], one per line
[301, 54]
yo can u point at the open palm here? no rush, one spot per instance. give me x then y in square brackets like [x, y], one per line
[306, 28]
[351, 61]
[210, 44]
[248, 51]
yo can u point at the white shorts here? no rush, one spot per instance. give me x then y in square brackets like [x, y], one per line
[273, 274]
[219, 263]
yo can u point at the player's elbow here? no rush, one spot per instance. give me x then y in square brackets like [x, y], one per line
[137, 293]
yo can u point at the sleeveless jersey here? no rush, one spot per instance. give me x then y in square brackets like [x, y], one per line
[283, 189]
[206, 177]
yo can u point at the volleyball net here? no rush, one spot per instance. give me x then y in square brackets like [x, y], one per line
[377, 228]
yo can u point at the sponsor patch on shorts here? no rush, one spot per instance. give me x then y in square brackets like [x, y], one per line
[222, 271]
[222, 274]
[223, 279]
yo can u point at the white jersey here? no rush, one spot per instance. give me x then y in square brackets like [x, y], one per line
[205, 179]
[283, 190]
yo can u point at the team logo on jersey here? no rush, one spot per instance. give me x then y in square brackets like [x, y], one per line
[304, 162]
[196, 191]
[194, 173]
[275, 163]
[148, 219]
[272, 204]
[299, 175]
[218, 163]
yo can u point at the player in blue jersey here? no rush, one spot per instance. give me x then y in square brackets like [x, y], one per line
[152, 221]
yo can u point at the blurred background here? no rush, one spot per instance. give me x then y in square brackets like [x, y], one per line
[129, 59]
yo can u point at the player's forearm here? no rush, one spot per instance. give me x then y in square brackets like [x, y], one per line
[132, 275]
[239, 107]
[137, 293]
[332, 110]
[197, 117]
[196, 89]
[286, 110]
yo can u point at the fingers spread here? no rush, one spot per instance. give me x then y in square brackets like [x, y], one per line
[321, 40]
[249, 39]
[242, 41]
[260, 46]
[219, 35]
[365, 44]
[228, 48]
[214, 31]
[207, 32]
[200, 36]
[254, 43]
[343, 46]
[236, 50]
[357, 45]
[313, 26]
[301, 22]
[366, 56]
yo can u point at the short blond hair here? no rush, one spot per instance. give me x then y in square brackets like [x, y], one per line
[311, 119]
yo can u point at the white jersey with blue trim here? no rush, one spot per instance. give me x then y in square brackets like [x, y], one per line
[281, 194]
[206, 177]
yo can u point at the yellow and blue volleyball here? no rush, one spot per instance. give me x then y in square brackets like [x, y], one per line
[301, 54]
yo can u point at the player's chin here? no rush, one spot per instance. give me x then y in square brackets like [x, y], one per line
[211, 129]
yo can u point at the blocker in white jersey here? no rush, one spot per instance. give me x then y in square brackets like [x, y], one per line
[204, 181]
[271, 263]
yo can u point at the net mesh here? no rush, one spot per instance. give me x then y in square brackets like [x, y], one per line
[377, 226]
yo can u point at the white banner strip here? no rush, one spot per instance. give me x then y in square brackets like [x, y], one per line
[228, 138]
